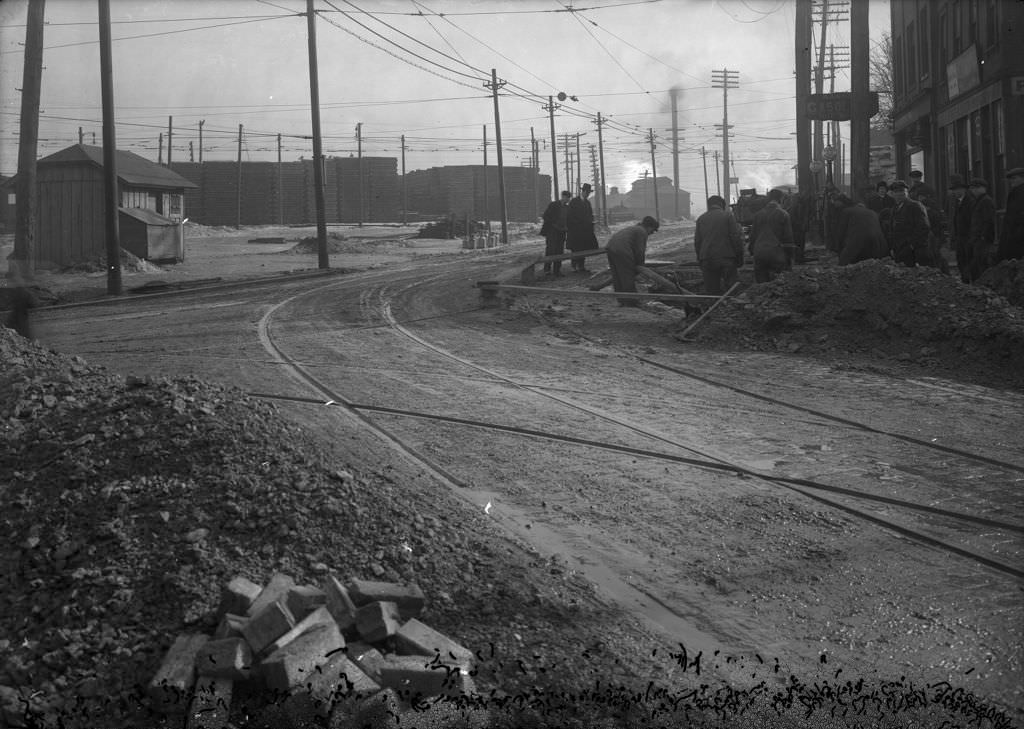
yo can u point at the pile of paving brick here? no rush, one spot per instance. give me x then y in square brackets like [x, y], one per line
[350, 654]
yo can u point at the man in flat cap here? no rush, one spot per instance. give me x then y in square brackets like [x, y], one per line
[627, 249]
[958, 211]
[906, 228]
[1011, 241]
[982, 233]
[579, 221]
[921, 191]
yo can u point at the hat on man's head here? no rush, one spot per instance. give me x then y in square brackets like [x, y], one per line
[586, 187]
[956, 182]
[649, 222]
[978, 182]
[916, 173]
[1015, 172]
[899, 185]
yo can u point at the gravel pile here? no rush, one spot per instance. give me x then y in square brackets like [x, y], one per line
[888, 312]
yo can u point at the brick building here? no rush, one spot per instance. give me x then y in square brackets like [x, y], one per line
[958, 68]
[460, 190]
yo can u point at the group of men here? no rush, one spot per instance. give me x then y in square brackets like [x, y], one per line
[912, 224]
[569, 223]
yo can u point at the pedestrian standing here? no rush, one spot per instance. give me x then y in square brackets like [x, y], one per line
[919, 189]
[858, 231]
[718, 243]
[1011, 240]
[958, 212]
[771, 239]
[928, 198]
[906, 228]
[879, 200]
[553, 230]
[982, 233]
[580, 228]
[626, 250]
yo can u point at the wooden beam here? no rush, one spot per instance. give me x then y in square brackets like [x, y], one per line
[492, 287]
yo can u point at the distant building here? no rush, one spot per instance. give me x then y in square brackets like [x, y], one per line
[640, 199]
[958, 70]
[70, 212]
[472, 191]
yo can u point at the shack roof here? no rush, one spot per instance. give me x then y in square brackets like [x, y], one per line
[149, 217]
[131, 168]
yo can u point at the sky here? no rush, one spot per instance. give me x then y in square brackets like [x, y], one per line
[418, 68]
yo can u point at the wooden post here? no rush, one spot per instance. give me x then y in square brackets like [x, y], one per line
[318, 170]
[170, 133]
[110, 190]
[501, 167]
[238, 183]
[22, 264]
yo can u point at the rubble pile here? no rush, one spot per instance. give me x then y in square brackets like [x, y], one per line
[344, 654]
[1006, 278]
[882, 310]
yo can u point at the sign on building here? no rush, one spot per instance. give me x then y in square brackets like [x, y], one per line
[1017, 85]
[840, 106]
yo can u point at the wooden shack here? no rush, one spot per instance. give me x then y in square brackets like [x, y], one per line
[151, 236]
[70, 225]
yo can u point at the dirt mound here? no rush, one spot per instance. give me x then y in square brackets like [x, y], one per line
[129, 262]
[877, 308]
[339, 243]
[1007, 280]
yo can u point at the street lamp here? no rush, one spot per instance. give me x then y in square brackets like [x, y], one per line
[829, 153]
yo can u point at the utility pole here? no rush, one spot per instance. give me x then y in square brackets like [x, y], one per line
[359, 171]
[81, 135]
[170, 127]
[804, 176]
[318, 154]
[494, 86]
[487, 209]
[725, 80]
[201, 122]
[160, 148]
[191, 152]
[718, 177]
[550, 108]
[704, 159]
[600, 154]
[535, 167]
[819, 78]
[405, 201]
[596, 176]
[568, 163]
[110, 191]
[22, 261]
[238, 183]
[674, 92]
[280, 188]
[579, 160]
[654, 176]
[860, 121]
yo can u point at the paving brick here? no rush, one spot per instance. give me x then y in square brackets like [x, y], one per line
[415, 638]
[238, 596]
[377, 621]
[338, 680]
[174, 679]
[267, 625]
[304, 599]
[409, 598]
[368, 658]
[293, 664]
[320, 616]
[211, 705]
[276, 589]
[412, 675]
[340, 604]
[230, 626]
[378, 710]
[230, 658]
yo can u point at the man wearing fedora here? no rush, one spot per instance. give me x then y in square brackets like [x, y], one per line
[1011, 240]
[982, 233]
[580, 228]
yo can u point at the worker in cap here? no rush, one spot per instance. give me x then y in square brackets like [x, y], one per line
[982, 233]
[906, 228]
[958, 212]
[1011, 240]
[626, 250]
[579, 222]
[921, 191]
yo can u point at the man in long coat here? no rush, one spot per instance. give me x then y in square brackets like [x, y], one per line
[718, 243]
[958, 212]
[626, 250]
[771, 239]
[982, 235]
[1011, 240]
[580, 228]
[906, 228]
[858, 231]
[553, 231]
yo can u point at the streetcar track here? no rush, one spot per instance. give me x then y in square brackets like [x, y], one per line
[630, 450]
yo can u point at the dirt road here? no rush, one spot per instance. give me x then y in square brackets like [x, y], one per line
[689, 485]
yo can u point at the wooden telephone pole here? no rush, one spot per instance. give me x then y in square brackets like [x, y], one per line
[318, 159]
[110, 191]
[23, 258]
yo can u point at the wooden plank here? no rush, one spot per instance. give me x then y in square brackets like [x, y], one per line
[515, 289]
